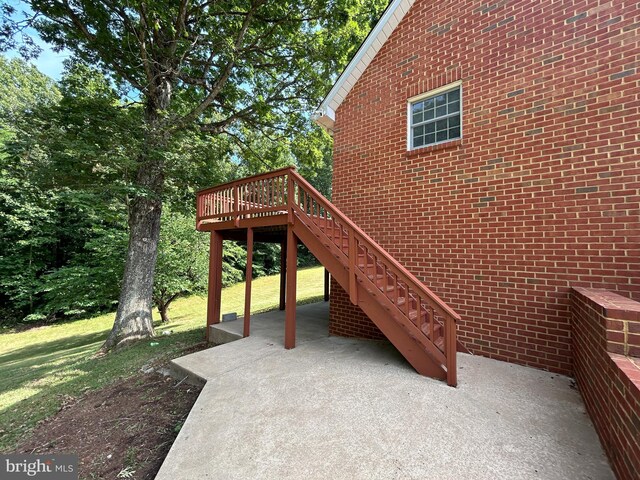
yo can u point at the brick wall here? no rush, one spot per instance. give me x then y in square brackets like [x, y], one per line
[609, 382]
[541, 194]
[358, 324]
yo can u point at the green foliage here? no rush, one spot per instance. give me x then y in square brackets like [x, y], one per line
[65, 184]
[22, 90]
[61, 254]
[251, 72]
[90, 281]
[314, 159]
[61, 239]
[183, 260]
[234, 261]
[89, 137]
[266, 259]
[220, 90]
[27, 213]
[27, 241]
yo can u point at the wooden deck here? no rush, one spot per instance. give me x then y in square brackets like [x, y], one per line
[282, 207]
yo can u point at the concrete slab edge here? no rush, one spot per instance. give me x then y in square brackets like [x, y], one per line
[181, 373]
[219, 336]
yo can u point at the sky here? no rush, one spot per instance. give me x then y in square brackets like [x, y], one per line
[48, 62]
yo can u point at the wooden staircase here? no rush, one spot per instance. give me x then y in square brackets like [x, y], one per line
[418, 323]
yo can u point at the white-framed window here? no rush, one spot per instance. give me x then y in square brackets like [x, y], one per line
[435, 117]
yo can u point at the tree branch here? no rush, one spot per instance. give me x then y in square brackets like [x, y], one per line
[78, 23]
[143, 51]
[180, 23]
[245, 146]
[217, 87]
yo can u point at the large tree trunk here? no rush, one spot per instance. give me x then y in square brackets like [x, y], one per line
[133, 319]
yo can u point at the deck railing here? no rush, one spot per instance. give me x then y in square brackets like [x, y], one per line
[284, 191]
[257, 196]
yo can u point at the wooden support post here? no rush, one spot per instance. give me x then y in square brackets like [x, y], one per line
[290, 314]
[326, 285]
[215, 280]
[248, 276]
[290, 197]
[283, 274]
[450, 350]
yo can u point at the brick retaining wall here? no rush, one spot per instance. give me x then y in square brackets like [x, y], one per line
[609, 382]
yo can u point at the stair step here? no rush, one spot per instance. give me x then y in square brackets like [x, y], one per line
[379, 287]
[413, 314]
[437, 329]
[363, 266]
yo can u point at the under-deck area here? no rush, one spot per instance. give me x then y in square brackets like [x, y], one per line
[272, 232]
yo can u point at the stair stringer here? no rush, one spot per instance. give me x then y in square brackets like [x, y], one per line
[419, 354]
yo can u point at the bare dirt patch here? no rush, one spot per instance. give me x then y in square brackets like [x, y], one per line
[121, 431]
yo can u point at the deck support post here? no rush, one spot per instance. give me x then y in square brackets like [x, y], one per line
[326, 285]
[450, 350]
[215, 280]
[292, 265]
[283, 273]
[248, 277]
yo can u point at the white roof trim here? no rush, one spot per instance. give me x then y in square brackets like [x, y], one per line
[392, 16]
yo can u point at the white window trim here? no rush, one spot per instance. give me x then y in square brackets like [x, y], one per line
[433, 93]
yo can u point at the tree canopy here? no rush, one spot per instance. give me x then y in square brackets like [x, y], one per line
[247, 73]
[22, 89]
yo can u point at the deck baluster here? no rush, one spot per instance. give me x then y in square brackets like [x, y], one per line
[431, 324]
[406, 300]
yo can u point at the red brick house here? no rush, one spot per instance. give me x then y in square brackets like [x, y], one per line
[486, 195]
[492, 148]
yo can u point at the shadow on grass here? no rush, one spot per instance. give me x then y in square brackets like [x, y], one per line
[51, 347]
[44, 351]
[82, 373]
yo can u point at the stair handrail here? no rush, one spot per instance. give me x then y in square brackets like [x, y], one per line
[416, 284]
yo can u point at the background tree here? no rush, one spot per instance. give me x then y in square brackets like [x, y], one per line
[238, 68]
[65, 164]
[26, 212]
[50, 214]
[22, 90]
[183, 261]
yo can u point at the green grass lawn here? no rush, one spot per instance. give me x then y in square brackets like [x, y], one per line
[44, 366]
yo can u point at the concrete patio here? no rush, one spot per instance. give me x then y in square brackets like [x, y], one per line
[336, 408]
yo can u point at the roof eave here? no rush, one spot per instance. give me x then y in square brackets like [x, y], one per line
[325, 117]
[391, 17]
